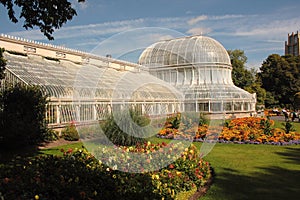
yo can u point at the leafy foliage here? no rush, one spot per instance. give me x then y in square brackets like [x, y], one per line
[125, 130]
[22, 119]
[78, 175]
[47, 15]
[261, 93]
[280, 77]
[53, 177]
[288, 127]
[2, 64]
[297, 100]
[70, 133]
[50, 135]
[241, 77]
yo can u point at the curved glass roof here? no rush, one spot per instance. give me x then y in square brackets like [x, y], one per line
[67, 80]
[216, 92]
[193, 50]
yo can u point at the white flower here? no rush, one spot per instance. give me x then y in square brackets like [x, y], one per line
[115, 167]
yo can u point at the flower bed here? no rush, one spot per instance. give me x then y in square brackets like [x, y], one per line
[247, 130]
[78, 175]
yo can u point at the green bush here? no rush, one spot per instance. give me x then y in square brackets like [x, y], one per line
[288, 127]
[78, 175]
[203, 120]
[51, 177]
[22, 116]
[2, 64]
[70, 133]
[132, 125]
[50, 135]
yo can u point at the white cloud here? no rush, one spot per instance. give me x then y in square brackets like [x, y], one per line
[199, 31]
[84, 5]
[223, 17]
[80, 5]
[268, 28]
[197, 19]
[262, 34]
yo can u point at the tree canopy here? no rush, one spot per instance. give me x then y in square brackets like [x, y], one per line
[241, 77]
[2, 64]
[47, 15]
[280, 77]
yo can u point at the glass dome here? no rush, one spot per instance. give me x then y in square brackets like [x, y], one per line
[200, 68]
[193, 50]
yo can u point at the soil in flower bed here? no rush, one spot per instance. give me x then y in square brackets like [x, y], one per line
[59, 142]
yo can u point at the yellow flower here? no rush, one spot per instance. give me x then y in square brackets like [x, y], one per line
[155, 176]
[36, 197]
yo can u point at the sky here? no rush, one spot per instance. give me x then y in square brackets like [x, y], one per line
[116, 27]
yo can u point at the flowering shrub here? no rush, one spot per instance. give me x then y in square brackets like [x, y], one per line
[78, 175]
[70, 133]
[241, 130]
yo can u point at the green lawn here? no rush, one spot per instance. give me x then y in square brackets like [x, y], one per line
[246, 171]
[280, 124]
[254, 172]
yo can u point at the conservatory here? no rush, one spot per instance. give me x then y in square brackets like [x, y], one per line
[184, 74]
[88, 91]
[200, 68]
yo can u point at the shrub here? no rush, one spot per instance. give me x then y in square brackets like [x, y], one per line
[132, 130]
[288, 127]
[22, 118]
[70, 133]
[50, 135]
[266, 126]
[77, 176]
[2, 64]
[203, 120]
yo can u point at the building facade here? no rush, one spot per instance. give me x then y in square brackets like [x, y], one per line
[292, 45]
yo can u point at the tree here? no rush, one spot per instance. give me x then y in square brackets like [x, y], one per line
[260, 92]
[240, 75]
[22, 116]
[2, 64]
[280, 77]
[47, 15]
[297, 100]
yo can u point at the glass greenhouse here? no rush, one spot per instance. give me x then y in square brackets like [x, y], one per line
[184, 74]
[200, 68]
[89, 92]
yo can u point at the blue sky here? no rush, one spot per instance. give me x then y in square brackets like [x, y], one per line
[259, 27]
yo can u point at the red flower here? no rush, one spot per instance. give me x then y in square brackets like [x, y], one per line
[6, 180]
[70, 150]
[171, 166]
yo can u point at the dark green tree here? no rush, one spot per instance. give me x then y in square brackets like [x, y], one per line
[260, 92]
[22, 116]
[297, 100]
[47, 15]
[240, 75]
[280, 77]
[2, 64]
